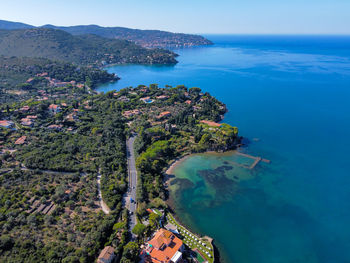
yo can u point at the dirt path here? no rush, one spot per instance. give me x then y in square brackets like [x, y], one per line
[103, 205]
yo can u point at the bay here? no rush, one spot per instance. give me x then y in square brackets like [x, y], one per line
[290, 97]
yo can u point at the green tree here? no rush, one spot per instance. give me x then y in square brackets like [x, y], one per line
[139, 229]
[130, 253]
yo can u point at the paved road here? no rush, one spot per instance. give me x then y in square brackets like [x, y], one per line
[132, 173]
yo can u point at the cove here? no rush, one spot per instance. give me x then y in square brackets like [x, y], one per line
[289, 96]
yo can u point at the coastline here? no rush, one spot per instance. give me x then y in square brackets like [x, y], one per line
[177, 161]
[214, 250]
[169, 175]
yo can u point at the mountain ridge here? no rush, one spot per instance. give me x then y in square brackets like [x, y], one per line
[79, 49]
[145, 38]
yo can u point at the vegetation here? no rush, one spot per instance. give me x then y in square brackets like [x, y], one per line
[146, 38]
[55, 166]
[82, 50]
[24, 78]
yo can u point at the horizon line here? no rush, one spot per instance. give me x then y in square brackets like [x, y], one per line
[195, 33]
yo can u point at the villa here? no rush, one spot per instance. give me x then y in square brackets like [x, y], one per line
[6, 124]
[27, 122]
[164, 247]
[147, 100]
[21, 140]
[25, 108]
[54, 108]
[162, 97]
[130, 113]
[107, 255]
[211, 123]
[164, 114]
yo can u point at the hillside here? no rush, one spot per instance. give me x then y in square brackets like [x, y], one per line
[83, 49]
[145, 38]
[24, 78]
[13, 25]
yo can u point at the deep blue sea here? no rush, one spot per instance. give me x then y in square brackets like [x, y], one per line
[290, 97]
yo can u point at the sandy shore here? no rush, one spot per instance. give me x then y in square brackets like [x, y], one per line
[175, 163]
[169, 175]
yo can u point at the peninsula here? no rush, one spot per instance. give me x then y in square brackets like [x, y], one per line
[58, 152]
[82, 173]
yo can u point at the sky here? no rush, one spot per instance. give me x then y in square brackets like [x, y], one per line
[189, 16]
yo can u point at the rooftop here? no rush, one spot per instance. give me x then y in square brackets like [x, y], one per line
[106, 255]
[163, 246]
[211, 123]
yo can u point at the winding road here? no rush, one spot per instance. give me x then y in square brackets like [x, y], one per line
[130, 197]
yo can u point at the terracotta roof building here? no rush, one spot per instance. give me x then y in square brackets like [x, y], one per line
[21, 140]
[107, 255]
[27, 122]
[25, 108]
[130, 113]
[54, 108]
[164, 115]
[211, 123]
[164, 247]
[6, 124]
[162, 97]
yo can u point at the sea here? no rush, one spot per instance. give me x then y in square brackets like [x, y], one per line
[290, 98]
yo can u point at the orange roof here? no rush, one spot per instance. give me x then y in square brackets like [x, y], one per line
[211, 123]
[164, 114]
[53, 106]
[163, 246]
[6, 123]
[21, 140]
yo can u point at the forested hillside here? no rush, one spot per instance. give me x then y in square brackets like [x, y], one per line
[145, 38]
[82, 50]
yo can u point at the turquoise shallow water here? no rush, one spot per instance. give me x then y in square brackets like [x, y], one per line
[293, 95]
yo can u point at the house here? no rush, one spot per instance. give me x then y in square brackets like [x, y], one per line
[211, 123]
[54, 108]
[164, 247]
[188, 102]
[21, 140]
[162, 97]
[130, 113]
[6, 124]
[164, 114]
[25, 108]
[27, 122]
[107, 255]
[147, 100]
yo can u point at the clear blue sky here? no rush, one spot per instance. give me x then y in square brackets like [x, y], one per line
[190, 16]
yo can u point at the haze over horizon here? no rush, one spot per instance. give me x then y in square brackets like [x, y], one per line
[205, 16]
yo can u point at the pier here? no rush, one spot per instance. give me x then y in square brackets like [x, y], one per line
[255, 158]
